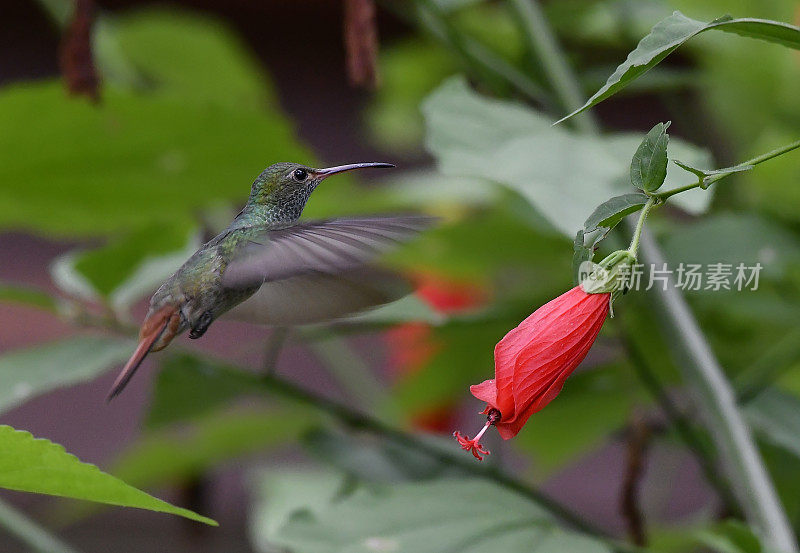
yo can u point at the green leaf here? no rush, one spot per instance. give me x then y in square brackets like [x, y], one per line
[151, 271]
[193, 58]
[130, 267]
[134, 161]
[36, 465]
[465, 515]
[649, 163]
[670, 33]
[37, 370]
[604, 218]
[564, 175]
[582, 252]
[703, 175]
[281, 494]
[613, 210]
[584, 246]
[27, 295]
[70, 281]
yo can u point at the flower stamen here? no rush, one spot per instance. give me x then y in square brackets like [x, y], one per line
[473, 445]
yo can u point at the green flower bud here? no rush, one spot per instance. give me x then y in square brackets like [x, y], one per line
[607, 276]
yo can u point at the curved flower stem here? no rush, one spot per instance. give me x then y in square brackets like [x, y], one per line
[633, 249]
[711, 180]
[732, 436]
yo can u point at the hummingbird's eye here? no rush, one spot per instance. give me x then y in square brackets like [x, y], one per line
[300, 175]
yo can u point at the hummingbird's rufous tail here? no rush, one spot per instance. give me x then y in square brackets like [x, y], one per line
[157, 331]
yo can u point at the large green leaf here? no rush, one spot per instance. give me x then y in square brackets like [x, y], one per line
[36, 465]
[193, 57]
[133, 160]
[126, 269]
[564, 175]
[36, 370]
[140, 260]
[279, 495]
[465, 515]
[675, 30]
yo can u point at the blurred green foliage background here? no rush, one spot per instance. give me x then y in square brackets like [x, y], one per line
[128, 187]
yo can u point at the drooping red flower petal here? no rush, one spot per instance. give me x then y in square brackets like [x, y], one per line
[533, 360]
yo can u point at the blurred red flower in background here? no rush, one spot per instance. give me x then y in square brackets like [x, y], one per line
[411, 345]
[534, 359]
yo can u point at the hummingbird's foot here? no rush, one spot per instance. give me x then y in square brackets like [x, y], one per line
[202, 325]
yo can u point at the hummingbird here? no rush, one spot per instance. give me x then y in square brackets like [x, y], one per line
[269, 266]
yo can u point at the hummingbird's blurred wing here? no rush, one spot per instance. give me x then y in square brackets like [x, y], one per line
[330, 247]
[318, 297]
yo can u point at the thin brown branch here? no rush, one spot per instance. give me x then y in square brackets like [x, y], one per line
[75, 57]
[361, 42]
[637, 442]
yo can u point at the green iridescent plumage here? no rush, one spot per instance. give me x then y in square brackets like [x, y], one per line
[294, 272]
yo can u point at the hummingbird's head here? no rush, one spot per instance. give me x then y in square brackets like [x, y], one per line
[284, 188]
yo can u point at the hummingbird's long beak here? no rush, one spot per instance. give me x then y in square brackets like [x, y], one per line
[327, 172]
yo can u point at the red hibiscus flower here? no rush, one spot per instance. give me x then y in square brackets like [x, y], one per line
[533, 361]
